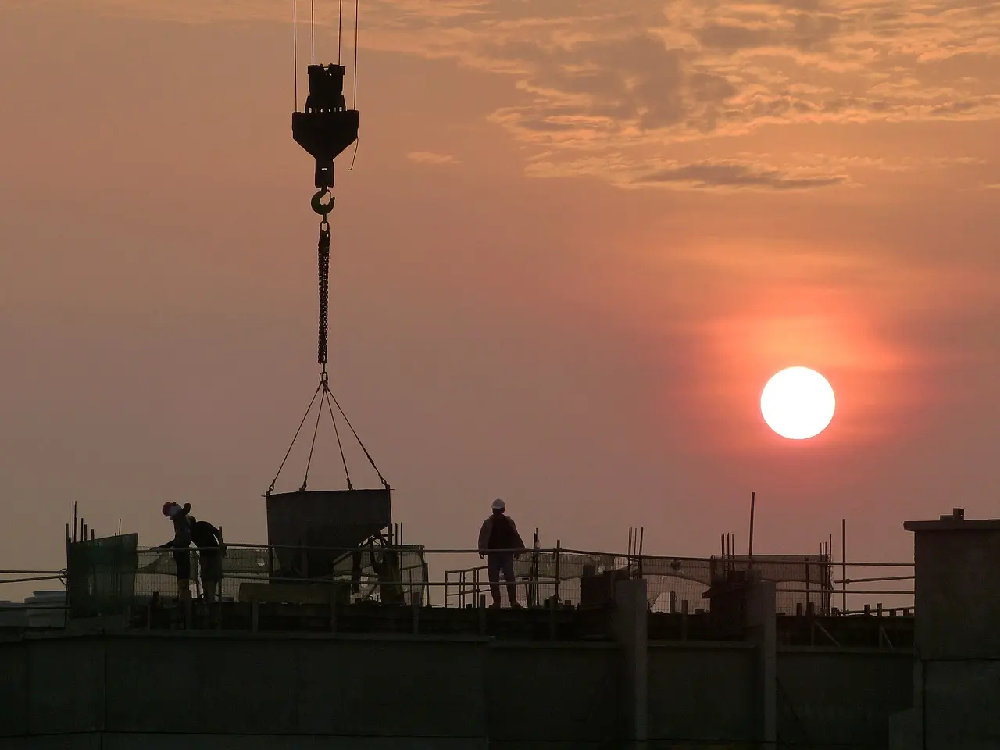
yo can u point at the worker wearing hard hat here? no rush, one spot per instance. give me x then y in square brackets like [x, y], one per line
[500, 543]
[180, 543]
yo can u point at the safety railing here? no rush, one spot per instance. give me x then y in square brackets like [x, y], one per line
[370, 573]
[27, 576]
[418, 576]
[465, 587]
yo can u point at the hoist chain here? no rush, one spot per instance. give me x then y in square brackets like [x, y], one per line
[323, 209]
[324, 290]
[322, 203]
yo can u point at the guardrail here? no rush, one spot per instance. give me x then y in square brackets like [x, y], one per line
[425, 576]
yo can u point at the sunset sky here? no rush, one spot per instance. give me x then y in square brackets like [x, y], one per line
[578, 239]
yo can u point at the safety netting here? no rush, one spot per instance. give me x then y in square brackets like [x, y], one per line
[100, 575]
[107, 576]
[677, 583]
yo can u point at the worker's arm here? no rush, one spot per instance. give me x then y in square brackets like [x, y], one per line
[218, 536]
[484, 537]
[517, 535]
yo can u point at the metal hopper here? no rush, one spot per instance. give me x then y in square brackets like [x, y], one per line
[338, 520]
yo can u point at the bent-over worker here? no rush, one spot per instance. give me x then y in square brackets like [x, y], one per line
[181, 541]
[500, 543]
[208, 539]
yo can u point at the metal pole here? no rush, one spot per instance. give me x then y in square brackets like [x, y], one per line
[843, 564]
[642, 533]
[67, 548]
[753, 507]
[558, 545]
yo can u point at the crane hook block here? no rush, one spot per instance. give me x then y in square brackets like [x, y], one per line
[327, 127]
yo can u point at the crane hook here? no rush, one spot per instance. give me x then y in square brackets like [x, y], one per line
[317, 202]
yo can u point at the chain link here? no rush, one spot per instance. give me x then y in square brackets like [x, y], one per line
[324, 291]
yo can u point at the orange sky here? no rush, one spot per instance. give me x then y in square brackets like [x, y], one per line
[573, 249]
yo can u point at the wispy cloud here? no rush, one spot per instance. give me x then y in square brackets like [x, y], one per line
[766, 172]
[720, 175]
[734, 175]
[429, 157]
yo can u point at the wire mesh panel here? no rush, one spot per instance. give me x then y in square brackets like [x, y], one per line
[675, 584]
[799, 579]
[101, 575]
[560, 575]
[157, 571]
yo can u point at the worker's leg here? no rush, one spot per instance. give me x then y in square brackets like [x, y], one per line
[493, 570]
[508, 575]
[183, 560]
[212, 583]
[211, 587]
[212, 605]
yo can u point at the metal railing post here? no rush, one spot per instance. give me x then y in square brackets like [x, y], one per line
[558, 555]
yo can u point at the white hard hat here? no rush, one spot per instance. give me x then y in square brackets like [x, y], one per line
[498, 504]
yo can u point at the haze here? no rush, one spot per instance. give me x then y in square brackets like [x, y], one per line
[578, 239]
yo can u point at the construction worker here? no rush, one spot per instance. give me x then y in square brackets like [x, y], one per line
[181, 541]
[208, 539]
[500, 543]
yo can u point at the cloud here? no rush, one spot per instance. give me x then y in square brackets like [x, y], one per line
[733, 175]
[428, 157]
[633, 78]
[768, 172]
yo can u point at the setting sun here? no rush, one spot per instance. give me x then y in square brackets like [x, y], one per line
[797, 403]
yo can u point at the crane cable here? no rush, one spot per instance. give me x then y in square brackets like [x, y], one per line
[295, 54]
[357, 142]
[323, 259]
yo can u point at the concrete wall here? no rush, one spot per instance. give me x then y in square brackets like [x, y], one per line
[565, 695]
[256, 691]
[963, 704]
[242, 685]
[701, 691]
[829, 697]
[234, 742]
[360, 692]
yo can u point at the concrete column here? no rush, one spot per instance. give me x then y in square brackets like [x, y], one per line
[957, 608]
[762, 631]
[631, 628]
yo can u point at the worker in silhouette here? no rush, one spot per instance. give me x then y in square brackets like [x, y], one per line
[182, 557]
[211, 548]
[500, 543]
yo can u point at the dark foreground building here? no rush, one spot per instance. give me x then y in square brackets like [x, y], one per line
[298, 666]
